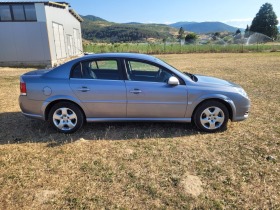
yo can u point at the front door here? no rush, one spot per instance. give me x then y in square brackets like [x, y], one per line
[149, 95]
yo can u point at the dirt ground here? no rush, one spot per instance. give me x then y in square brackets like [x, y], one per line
[148, 165]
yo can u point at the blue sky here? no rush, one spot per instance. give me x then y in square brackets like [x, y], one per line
[237, 12]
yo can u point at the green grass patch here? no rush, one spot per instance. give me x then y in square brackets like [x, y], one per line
[177, 49]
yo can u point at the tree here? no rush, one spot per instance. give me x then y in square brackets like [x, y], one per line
[237, 32]
[265, 21]
[217, 34]
[247, 29]
[247, 32]
[190, 38]
[181, 33]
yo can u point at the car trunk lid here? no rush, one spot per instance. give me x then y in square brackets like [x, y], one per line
[39, 72]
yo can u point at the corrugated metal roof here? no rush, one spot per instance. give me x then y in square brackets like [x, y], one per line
[45, 2]
[19, 2]
[76, 15]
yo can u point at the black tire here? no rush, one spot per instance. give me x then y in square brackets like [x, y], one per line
[211, 116]
[66, 117]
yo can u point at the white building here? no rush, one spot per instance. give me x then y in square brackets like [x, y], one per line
[38, 33]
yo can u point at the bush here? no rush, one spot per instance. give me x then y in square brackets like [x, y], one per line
[190, 38]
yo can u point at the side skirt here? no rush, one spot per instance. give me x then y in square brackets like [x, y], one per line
[139, 119]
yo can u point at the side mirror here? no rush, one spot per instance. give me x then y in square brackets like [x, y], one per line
[173, 81]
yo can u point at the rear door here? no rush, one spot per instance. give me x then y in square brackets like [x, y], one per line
[149, 95]
[100, 86]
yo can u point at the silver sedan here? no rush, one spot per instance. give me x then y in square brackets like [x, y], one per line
[129, 87]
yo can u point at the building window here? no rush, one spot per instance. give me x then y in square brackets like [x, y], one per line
[30, 12]
[18, 12]
[5, 13]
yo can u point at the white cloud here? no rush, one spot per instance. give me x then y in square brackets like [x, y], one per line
[167, 23]
[239, 22]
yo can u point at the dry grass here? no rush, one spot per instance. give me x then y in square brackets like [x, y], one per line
[148, 165]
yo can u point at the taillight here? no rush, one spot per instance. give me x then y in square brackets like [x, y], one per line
[22, 88]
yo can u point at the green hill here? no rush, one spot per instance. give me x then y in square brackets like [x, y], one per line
[98, 29]
[92, 18]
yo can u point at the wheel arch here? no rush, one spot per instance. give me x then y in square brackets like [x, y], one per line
[228, 103]
[50, 105]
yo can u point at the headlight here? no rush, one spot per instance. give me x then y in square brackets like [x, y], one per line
[241, 91]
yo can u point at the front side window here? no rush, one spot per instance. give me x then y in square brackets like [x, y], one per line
[97, 69]
[5, 13]
[141, 71]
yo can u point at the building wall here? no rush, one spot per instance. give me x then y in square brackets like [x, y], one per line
[53, 39]
[25, 43]
[64, 32]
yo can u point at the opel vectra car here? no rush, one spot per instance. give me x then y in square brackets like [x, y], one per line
[129, 87]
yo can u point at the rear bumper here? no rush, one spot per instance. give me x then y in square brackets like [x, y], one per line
[31, 108]
[33, 116]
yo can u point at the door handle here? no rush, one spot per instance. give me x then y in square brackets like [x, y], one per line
[84, 89]
[135, 91]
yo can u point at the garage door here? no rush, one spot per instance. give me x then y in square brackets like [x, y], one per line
[59, 40]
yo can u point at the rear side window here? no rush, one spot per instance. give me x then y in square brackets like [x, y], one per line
[97, 69]
[104, 65]
[77, 71]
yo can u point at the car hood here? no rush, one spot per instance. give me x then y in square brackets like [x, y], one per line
[214, 81]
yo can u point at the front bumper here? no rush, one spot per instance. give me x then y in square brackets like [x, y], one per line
[242, 113]
[241, 118]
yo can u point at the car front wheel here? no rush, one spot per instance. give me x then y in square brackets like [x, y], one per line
[211, 116]
[66, 117]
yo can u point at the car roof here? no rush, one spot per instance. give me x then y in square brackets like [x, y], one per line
[64, 70]
[120, 55]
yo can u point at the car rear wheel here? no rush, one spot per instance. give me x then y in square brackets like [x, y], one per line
[211, 116]
[66, 117]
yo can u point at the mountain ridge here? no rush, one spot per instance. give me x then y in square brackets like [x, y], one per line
[204, 27]
[92, 18]
[99, 29]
